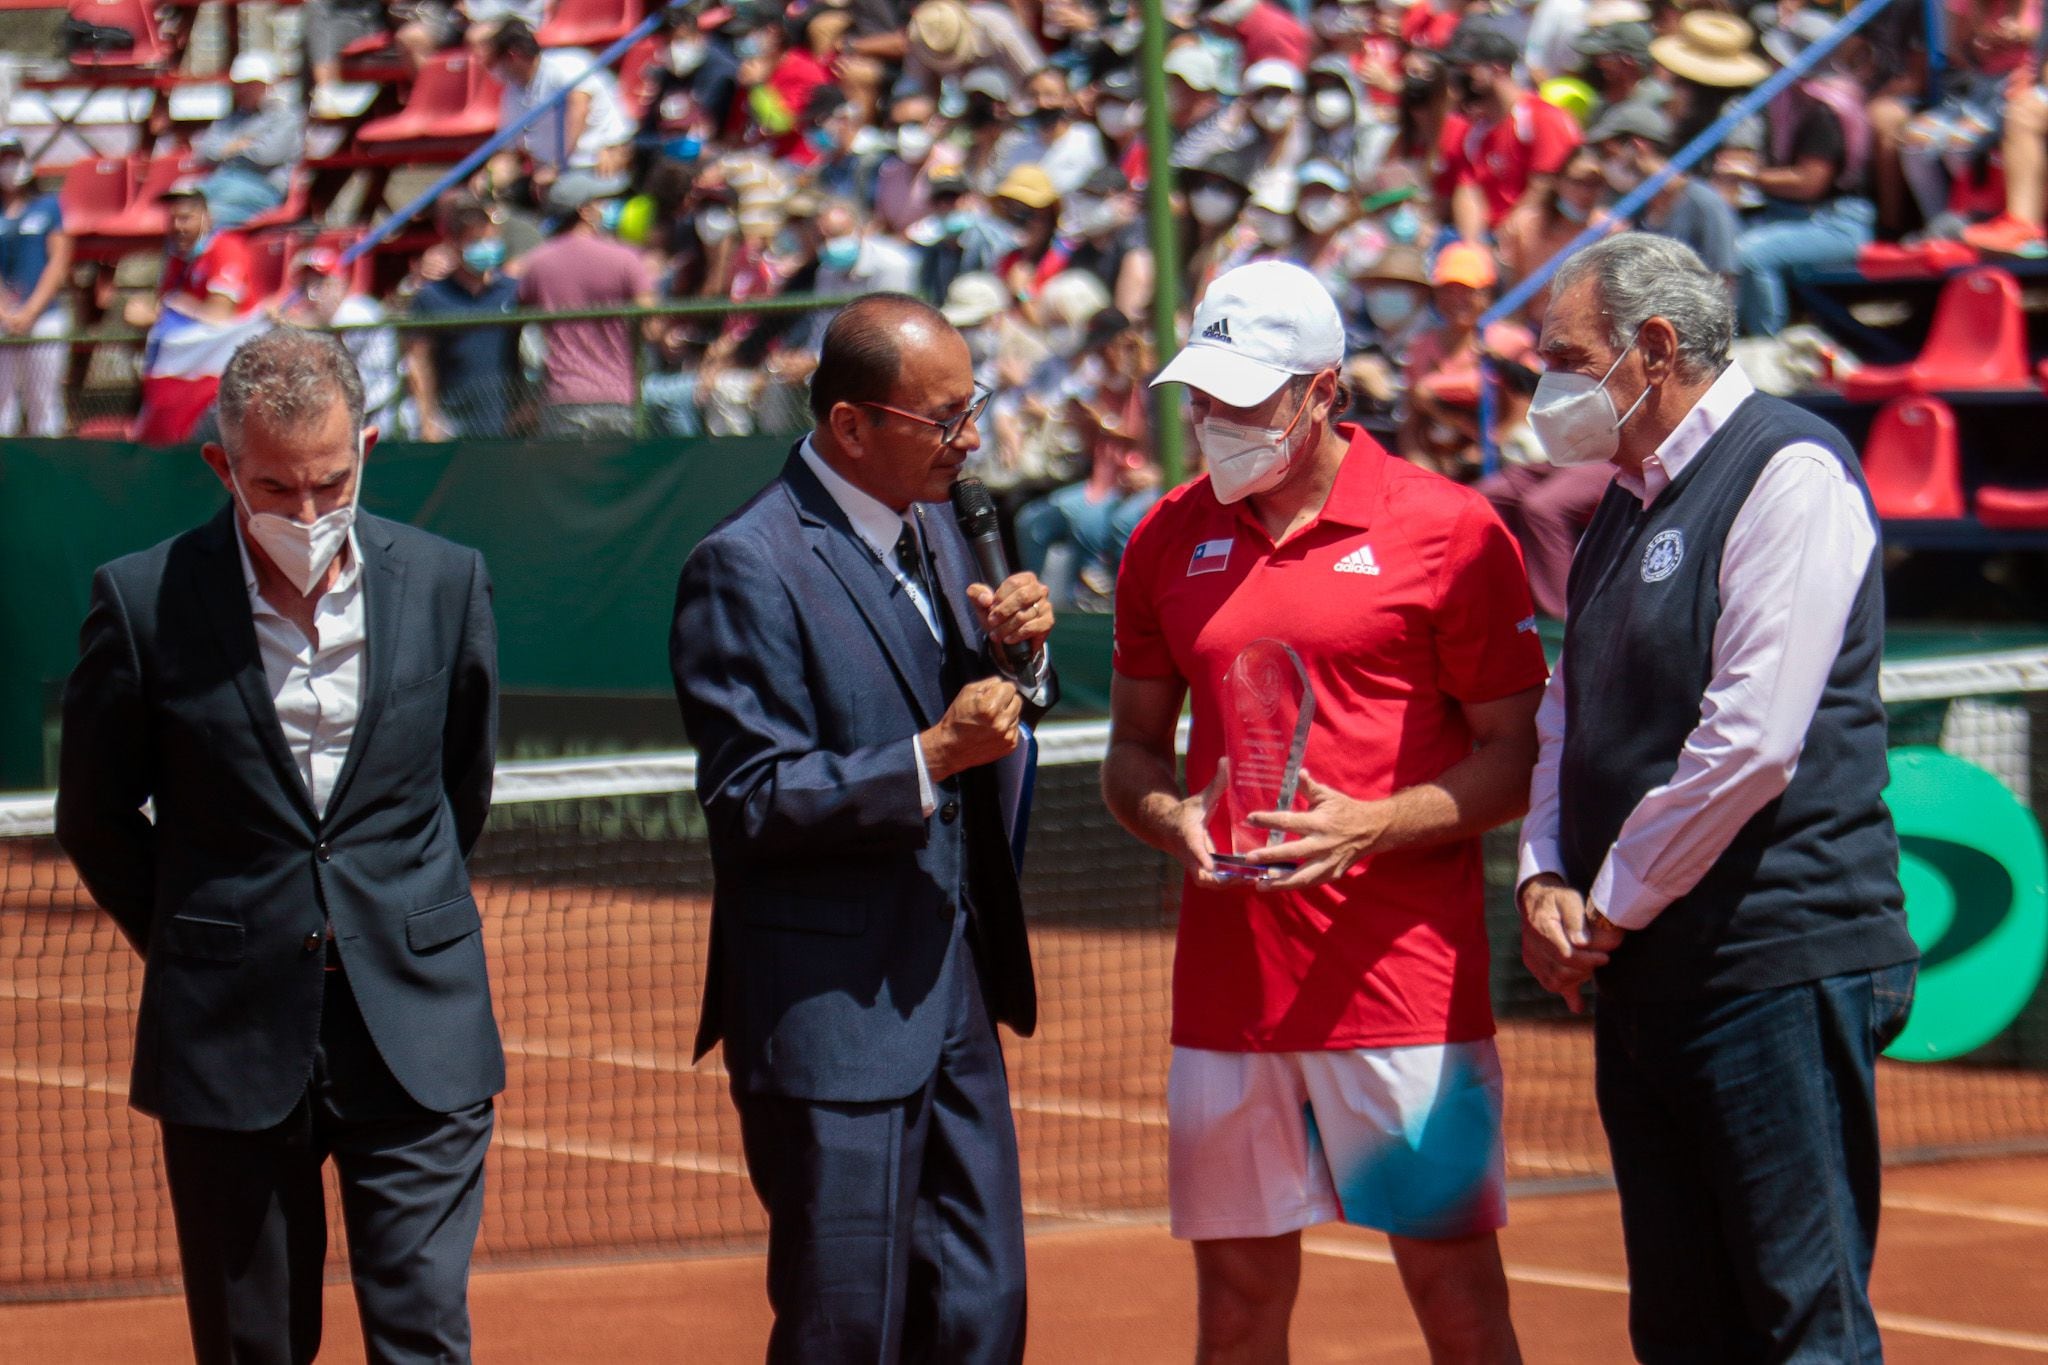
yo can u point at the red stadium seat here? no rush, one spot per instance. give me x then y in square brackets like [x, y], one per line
[1978, 341]
[454, 97]
[96, 192]
[145, 217]
[270, 257]
[132, 16]
[1913, 463]
[2013, 509]
[589, 23]
[1897, 261]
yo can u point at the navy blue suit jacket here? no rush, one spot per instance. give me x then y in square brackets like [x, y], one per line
[804, 673]
[221, 890]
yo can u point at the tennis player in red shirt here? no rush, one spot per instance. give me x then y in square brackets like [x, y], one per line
[1332, 1029]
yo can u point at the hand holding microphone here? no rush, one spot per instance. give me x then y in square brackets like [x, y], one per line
[1017, 612]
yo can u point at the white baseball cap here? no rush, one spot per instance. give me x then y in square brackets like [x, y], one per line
[253, 68]
[1271, 73]
[1195, 65]
[1256, 327]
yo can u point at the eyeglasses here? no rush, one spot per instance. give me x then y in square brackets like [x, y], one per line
[952, 427]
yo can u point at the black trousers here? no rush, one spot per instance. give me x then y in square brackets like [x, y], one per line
[252, 1218]
[896, 1229]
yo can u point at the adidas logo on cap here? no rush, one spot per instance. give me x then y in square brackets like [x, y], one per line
[1218, 330]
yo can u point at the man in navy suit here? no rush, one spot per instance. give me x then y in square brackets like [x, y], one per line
[856, 739]
[309, 697]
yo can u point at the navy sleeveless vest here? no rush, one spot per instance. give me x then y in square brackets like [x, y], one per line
[1810, 886]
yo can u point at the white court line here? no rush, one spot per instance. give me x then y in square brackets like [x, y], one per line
[629, 1153]
[1965, 1208]
[1907, 1323]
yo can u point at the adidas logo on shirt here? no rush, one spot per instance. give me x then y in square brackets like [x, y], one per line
[1218, 330]
[1359, 560]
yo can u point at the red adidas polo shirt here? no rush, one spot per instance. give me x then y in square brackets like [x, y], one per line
[1404, 598]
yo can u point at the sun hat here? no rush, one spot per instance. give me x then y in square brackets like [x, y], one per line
[1256, 327]
[1711, 49]
[941, 31]
[1030, 186]
[1398, 264]
[1463, 263]
[973, 299]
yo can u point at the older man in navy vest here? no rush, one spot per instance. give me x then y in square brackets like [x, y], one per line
[1707, 838]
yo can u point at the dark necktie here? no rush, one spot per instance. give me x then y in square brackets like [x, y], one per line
[911, 561]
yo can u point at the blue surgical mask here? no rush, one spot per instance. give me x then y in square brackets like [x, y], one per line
[820, 140]
[484, 255]
[840, 253]
[608, 216]
[957, 222]
[1404, 225]
[1390, 307]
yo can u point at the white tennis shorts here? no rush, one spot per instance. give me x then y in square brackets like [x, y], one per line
[1403, 1139]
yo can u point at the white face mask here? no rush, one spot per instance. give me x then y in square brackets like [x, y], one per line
[1331, 108]
[1390, 309]
[913, 142]
[1274, 230]
[1574, 416]
[1246, 461]
[715, 224]
[302, 550]
[1212, 205]
[685, 55]
[1621, 173]
[1275, 114]
[1116, 118]
[1322, 213]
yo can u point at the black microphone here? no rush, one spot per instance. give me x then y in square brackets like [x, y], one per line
[976, 513]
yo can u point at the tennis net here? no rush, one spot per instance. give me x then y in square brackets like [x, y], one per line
[595, 882]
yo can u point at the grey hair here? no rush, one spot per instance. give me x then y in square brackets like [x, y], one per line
[1642, 275]
[288, 376]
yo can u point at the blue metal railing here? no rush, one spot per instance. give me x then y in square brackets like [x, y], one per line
[1632, 203]
[498, 140]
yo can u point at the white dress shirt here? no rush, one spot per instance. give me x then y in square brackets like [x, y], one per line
[1791, 568]
[318, 690]
[879, 526]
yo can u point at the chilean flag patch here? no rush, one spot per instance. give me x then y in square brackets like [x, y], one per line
[1211, 556]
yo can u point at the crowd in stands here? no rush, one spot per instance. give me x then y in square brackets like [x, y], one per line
[1419, 156]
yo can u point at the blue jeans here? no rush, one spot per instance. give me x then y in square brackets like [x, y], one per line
[1098, 531]
[235, 194]
[1744, 1135]
[1826, 237]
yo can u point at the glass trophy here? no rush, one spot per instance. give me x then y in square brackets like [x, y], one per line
[1267, 710]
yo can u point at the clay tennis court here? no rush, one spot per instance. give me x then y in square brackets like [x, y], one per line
[621, 1226]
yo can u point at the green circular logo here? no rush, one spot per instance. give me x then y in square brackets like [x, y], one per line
[1975, 874]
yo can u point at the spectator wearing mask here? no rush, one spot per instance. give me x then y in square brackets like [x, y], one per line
[586, 139]
[589, 388]
[1442, 428]
[947, 37]
[35, 264]
[1093, 518]
[1325, 216]
[1633, 141]
[957, 237]
[903, 181]
[1546, 506]
[1812, 175]
[206, 272]
[1537, 231]
[1029, 207]
[856, 258]
[1502, 145]
[1067, 149]
[788, 77]
[988, 96]
[1106, 236]
[1617, 60]
[1215, 191]
[1120, 114]
[1266, 31]
[253, 151]
[698, 87]
[1272, 103]
[1392, 311]
[323, 297]
[1341, 123]
[466, 381]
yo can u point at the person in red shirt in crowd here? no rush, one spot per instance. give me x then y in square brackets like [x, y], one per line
[1332, 1027]
[1264, 28]
[1429, 26]
[1502, 145]
[205, 289]
[782, 69]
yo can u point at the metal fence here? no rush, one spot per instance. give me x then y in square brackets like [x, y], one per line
[709, 367]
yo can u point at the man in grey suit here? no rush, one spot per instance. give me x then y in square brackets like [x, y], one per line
[308, 695]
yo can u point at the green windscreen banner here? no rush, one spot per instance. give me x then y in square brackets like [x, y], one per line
[584, 540]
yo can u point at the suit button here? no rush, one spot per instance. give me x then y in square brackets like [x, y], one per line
[322, 852]
[313, 942]
[949, 812]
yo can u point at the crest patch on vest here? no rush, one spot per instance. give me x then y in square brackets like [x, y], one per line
[1664, 554]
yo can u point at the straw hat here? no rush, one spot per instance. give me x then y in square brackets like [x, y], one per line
[1397, 265]
[1712, 49]
[942, 32]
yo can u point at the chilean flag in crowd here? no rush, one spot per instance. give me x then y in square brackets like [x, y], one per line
[182, 362]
